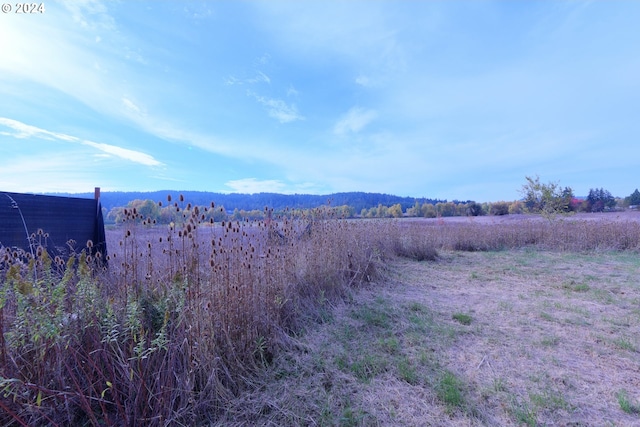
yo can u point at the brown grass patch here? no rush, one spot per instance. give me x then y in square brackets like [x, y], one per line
[541, 349]
[323, 321]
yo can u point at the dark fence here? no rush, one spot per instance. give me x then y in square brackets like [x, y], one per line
[62, 225]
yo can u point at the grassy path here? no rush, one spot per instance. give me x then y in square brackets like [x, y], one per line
[486, 338]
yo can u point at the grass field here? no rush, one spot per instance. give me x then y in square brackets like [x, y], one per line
[324, 321]
[518, 337]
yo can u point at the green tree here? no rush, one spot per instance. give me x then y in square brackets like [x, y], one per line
[499, 208]
[599, 200]
[395, 211]
[428, 210]
[545, 199]
[633, 199]
[414, 210]
[474, 209]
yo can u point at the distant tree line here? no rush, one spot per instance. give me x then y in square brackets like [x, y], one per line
[257, 201]
[537, 197]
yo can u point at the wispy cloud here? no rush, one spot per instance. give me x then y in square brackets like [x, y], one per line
[354, 121]
[23, 131]
[278, 109]
[363, 80]
[259, 77]
[253, 185]
[124, 153]
[90, 14]
[131, 106]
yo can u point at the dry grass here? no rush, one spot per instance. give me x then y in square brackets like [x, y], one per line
[311, 322]
[541, 350]
[179, 323]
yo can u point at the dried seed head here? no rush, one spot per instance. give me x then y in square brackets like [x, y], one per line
[169, 198]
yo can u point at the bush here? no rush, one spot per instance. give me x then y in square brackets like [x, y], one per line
[499, 208]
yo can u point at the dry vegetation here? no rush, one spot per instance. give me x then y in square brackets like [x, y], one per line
[316, 321]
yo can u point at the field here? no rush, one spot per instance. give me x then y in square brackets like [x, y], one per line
[321, 321]
[508, 338]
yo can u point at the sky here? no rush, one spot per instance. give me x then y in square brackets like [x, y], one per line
[439, 99]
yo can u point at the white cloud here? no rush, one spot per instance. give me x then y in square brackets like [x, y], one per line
[24, 131]
[124, 153]
[131, 106]
[90, 14]
[252, 185]
[354, 121]
[260, 77]
[291, 91]
[278, 109]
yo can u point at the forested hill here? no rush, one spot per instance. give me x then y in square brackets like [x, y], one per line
[357, 200]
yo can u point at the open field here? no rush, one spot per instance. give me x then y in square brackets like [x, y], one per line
[519, 337]
[324, 321]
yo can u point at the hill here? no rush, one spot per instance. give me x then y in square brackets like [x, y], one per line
[357, 200]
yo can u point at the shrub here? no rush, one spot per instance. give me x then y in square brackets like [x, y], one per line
[499, 208]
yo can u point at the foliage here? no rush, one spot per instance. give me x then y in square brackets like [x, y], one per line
[516, 208]
[499, 208]
[546, 199]
[184, 318]
[474, 209]
[633, 199]
[599, 200]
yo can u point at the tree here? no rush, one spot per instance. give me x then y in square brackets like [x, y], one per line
[395, 211]
[428, 210]
[474, 209]
[599, 200]
[499, 208]
[633, 199]
[546, 199]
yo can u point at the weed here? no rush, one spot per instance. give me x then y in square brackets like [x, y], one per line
[550, 341]
[449, 390]
[523, 413]
[389, 345]
[549, 400]
[625, 344]
[406, 371]
[572, 285]
[546, 316]
[499, 385]
[627, 405]
[373, 316]
[462, 318]
[367, 367]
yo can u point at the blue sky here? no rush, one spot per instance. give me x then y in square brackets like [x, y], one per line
[442, 99]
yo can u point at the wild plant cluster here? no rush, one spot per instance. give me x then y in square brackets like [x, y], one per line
[175, 321]
[179, 318]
